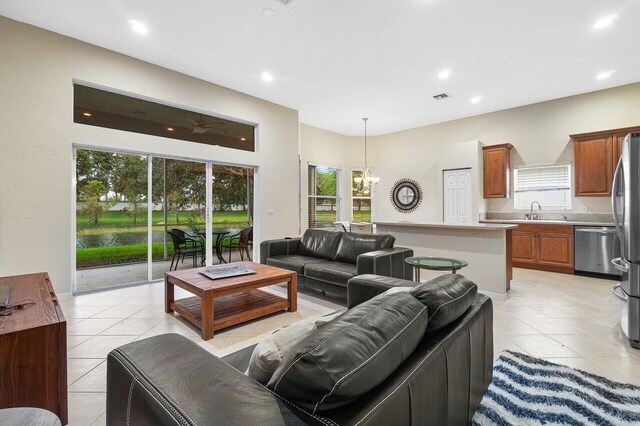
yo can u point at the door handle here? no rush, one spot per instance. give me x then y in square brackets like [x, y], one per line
[620, 264]
[620, 295]
[614, 204]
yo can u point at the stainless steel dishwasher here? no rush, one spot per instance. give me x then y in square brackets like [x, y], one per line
[595, 247]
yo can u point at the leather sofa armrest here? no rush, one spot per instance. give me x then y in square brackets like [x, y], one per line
[170, 380]
[284, 246]
[387, 262]
[364, 287]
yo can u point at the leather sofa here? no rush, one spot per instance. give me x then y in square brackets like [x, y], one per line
[168, 379]
[326, 259]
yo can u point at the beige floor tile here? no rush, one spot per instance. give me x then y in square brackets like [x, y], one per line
[591, 346]
[91, 327]
[514, 326]
[84, 311]
[99, 346]
[86, 408]
[73, 341]
[172, 325]
[119, 311]
[543, 346]
[78, 367]
[131, 327]
[94, 381]
[152, 312]
[258, 327]
[552, 326]
[102, 420]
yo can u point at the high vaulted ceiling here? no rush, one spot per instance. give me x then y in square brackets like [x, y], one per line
[337, 61]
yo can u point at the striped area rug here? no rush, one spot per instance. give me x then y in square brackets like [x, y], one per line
[532, 391]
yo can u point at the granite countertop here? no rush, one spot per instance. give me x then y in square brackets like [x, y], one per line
[546, 222]
[490, 226]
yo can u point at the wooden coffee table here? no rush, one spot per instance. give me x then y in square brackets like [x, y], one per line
[225, 302]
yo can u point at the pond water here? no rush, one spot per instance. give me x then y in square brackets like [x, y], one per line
[132, 236]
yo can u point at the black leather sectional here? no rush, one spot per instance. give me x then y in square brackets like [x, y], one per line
[325, 259]
[380, 363]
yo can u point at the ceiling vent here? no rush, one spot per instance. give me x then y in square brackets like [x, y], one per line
[441, 96]
[286, 2]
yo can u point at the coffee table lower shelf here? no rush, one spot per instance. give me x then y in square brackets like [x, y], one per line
[233, 309]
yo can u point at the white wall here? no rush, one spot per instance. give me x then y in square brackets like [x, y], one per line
[539, 134]
[37, 69]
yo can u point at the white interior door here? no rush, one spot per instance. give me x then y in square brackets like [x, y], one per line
[450, 179]
[457, 196]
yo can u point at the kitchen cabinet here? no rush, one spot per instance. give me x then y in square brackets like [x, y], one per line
[595, 157]
[496, 168]
[544, 247]
[523, 247]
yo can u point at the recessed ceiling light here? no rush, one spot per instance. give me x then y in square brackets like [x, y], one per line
[243, 139]
[604, 22]
[268, 12]
[267, 76]
[444, 73]
[475, 99]
[138, 26]
[86, 114]
[605, 74]
[170, 129]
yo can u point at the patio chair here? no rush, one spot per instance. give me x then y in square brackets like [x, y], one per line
[241, 242]
[184, 246]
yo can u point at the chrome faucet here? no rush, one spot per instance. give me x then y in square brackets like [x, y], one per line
[531, 215]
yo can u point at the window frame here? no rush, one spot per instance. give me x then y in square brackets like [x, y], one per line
[358, 197]
[337, 197]
[569, 200]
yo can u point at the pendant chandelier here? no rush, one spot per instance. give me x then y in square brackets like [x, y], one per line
[365, 182]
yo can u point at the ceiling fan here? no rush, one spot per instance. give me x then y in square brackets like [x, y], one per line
[200, 125]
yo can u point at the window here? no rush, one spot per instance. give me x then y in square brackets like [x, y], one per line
[324, 196]
[360, 201]
[95, 107]
[548, 185]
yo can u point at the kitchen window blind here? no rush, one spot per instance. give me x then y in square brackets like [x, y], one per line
[549, 185]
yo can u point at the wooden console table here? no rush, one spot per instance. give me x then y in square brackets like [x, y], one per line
[33, 347]
[225, 302]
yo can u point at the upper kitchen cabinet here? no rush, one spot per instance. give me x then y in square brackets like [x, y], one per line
[595, 156]
[496, 165]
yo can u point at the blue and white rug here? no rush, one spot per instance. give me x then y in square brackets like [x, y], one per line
[532, 391]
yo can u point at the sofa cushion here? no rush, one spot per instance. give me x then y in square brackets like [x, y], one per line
[330, 271]
[320, 243]
[353, 245]
[291, 262]
[447, 297]
[352, 354]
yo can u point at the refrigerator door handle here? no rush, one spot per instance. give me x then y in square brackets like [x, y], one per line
[620, 264]
[614, 204]
[619, 294]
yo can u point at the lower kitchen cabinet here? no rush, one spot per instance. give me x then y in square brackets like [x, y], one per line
[544, 247]
[523, 247]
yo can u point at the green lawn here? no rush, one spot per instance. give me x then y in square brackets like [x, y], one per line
[97, 256]
[119, 218]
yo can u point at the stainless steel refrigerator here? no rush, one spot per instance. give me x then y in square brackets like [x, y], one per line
[625, 200]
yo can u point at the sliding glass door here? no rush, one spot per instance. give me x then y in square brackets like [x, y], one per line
[139, 216]
[179, 215]
[111, 219]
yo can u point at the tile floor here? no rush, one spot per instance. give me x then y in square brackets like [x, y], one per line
[564, 318]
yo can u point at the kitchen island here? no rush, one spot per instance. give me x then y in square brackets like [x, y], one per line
[485, 246]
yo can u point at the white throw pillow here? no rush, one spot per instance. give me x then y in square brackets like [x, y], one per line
[267, 354]
[398, 290]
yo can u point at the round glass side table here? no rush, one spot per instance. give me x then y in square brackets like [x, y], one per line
[434, 264]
